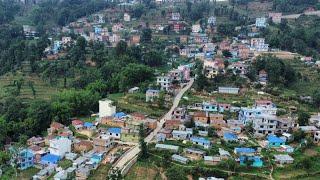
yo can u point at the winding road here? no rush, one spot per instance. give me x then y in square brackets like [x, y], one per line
[133, 152]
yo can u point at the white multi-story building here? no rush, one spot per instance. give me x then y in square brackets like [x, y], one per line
[103, 143]
[60, 146]
[315, 120]
[247, 115]
[258, 44]
[106, 108]
[316, 137]
[212, 20]
[261, 22]
[100, 18]
[164, 82]
[196, 28]
[126, 17]
[175, 16]
[66, 40]
[265, 125]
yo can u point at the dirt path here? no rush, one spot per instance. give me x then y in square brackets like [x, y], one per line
[122, 163]
[226, 171]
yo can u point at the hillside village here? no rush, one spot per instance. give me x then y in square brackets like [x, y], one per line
[211, 112]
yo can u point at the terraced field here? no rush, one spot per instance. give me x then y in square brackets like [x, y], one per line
[42, 89]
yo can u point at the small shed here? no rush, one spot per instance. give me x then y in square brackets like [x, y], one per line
[115, 132]
[212, 160]
[274, 141]
[180, 159]
[167, 147]
[195, 152]
[283, 159]
[224, 154]
[228, 136]
[134, 90]
[286, 148]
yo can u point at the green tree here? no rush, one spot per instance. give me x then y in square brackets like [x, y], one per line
[249, 128]
[41, 112]
[121, 48]
[99, 87]
[30, 83]
[166, 159]
[298, 135]
[211, 131]
[316, 98]
[133, 75]
[4, 157]
[161, 100]
[115, 174]
[142, 143]
[226, 53]
[153, 59]
[303, 118]
[176, 173]
[146, 35]
[305, 163]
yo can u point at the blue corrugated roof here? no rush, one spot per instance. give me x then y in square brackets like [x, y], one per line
[230, 136]
[254, 158]
[245, 150]
[119, 115]
[114, 130]
[167, 146]
[275, 139]
[97, 156]
[88, 124]
[200, 140]
[153, 90]
[50, 158]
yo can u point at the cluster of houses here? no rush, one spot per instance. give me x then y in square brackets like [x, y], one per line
[170, 82]
[245, 156]
[105, 27]
[272, 132]
[86, 144]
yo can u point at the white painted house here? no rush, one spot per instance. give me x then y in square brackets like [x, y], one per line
[60, 146]
[106, 108]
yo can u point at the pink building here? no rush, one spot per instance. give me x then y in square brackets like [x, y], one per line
[185, 72]
[275, 17]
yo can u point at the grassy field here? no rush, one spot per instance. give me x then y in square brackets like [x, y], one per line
[9, 174]
[143, 171]
[43, 89]
[293, 172]
[64, 164]
[310, 78]
[136, 103]
[100, 173]
[242, 99]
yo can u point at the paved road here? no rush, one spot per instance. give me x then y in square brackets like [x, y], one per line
[130, 154]
[295, 16]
